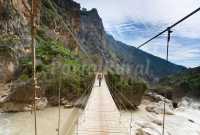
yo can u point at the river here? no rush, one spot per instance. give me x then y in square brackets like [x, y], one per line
[23, 123]
[185, 121]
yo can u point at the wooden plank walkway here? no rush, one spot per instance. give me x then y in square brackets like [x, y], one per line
[101, 116]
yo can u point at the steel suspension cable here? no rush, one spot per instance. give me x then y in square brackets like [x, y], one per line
[170, 27]
[68, 26]
[59, 109]
[168, 30]
[133, 106]
[167, 58]
[125, 99]
[59, 101]
[124, 107]
[86, 100]
[122, 98]
[112, 91]
[114, 94]
[78, 101]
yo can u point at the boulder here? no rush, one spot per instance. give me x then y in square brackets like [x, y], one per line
[140, 132]
[22, 91]
[15, 107]
[20, 98]
[41, 103]
[146, 128]
[53, 100]
[64, 101]
[23, 107]
[157, 98]
[155, 120]
[190, 103]
[4, 92]
[68, 106]
[157, 108]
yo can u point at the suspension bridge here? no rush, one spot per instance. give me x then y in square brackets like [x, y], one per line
[100, 116]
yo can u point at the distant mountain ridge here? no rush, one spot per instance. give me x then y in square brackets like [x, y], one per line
[157, 67]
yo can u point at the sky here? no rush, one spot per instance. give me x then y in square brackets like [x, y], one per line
[135, 21]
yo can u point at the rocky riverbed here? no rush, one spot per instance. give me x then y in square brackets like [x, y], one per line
[147, 120]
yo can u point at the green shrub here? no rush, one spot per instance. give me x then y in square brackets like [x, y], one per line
[9, 39]
[57, 68]
[24, 77]
[187, 82]
[131, 89]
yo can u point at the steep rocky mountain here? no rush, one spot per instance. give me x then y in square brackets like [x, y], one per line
[142, 64]
[66, 21]
[69, 39]
[120, 56]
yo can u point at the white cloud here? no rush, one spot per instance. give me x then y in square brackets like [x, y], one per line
[179, 53]
[159, 13]
[148, 11]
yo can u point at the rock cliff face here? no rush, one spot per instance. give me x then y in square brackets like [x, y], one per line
[15, 42]
[14, 37]
[12, 18]
[93, 36]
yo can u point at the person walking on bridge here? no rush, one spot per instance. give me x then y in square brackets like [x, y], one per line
[99, 77]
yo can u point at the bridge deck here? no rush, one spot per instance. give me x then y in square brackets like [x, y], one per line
[101, 116]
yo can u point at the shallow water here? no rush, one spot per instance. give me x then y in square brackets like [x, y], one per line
[185, 122]
[23, 123]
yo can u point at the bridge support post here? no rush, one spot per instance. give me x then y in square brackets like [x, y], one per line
[77, 126]
[131, 122]
[167, 58]
[120, 115]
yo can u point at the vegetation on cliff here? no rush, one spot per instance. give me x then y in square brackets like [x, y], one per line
[186, 83]
[57, 68]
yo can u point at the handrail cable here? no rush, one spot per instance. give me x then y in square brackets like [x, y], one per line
[121, 103]
[59, 101]
[68, 26]
[113, 96]
[86, 96]
[78, 101]
[124, 106]
[168, 30]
